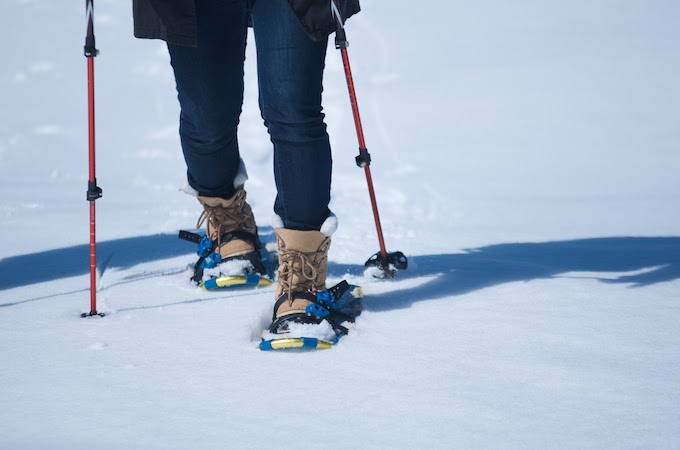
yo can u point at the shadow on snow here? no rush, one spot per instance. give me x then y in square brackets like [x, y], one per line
[454, 274]
[656, 259]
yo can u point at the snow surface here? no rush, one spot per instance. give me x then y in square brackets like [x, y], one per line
[526, 159]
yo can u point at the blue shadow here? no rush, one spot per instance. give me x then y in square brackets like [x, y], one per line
[454, 274]
[457, 274]
[24, 270]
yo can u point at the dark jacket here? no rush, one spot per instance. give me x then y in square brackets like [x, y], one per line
[175, 20]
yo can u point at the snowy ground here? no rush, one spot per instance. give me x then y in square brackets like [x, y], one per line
[526, 158]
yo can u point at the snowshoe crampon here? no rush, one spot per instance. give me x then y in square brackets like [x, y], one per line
[320, 326]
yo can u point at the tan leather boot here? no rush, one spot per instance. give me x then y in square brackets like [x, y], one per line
[302, 299]
[303, 258]
[224, 216]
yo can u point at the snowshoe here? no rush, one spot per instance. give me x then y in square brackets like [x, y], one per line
[320, 326]
[212, 272]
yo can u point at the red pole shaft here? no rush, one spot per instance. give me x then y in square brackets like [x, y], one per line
[353, 98]
[92, 178]
[93, 262]
[90, 111]
[376, 216]
[362, 145]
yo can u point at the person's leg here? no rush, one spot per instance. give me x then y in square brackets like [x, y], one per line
[290, 73]
[290, 69]
[210, 91]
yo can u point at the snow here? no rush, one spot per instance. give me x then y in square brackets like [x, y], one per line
[525, 158]
[227, 268]
[322, 331]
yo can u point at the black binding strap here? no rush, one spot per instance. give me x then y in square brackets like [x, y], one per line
[226, 237]
[240, 235]
[335, 317]
[254, 257]
[189, 236]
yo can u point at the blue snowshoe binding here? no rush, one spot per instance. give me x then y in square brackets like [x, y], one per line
[320, 326]
[209, 258]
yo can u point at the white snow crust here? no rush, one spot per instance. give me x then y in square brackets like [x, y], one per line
[322, 331]
[525, 158]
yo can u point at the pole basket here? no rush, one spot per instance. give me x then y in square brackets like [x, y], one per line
[388, 264]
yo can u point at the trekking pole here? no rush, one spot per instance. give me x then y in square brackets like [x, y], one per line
[388, 263]
[93, 191]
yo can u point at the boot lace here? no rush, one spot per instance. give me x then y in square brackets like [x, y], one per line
[303, 268]
[232, 217]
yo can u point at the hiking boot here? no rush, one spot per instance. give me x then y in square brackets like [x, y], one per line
[301, 295]
[231, 227]
[303, 259]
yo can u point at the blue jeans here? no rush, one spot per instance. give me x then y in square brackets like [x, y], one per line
[290, 72]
